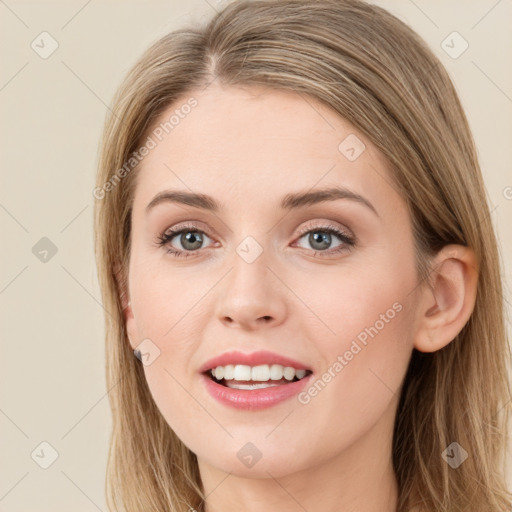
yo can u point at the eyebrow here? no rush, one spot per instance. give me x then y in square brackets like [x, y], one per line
[289, 201]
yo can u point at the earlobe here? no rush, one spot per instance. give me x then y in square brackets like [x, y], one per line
[448, 299]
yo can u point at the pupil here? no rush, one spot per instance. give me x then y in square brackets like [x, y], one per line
[324, 239]
[191, 237]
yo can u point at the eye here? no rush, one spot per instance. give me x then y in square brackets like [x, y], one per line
[320, 239]
[190, 239]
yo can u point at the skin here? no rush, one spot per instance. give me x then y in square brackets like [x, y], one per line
[249, 147]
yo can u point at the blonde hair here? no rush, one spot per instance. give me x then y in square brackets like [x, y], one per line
[378, 74]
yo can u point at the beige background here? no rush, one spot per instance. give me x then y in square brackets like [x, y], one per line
[52, 110]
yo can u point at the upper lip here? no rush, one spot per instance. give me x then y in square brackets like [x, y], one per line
[252, 359]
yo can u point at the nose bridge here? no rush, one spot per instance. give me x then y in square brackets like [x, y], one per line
[251, 294]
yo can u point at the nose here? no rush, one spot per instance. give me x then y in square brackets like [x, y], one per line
[251, 296]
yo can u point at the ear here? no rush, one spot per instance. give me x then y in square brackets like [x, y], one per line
[447, 299]
[124, 296]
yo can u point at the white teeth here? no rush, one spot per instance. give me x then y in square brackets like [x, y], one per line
[229, 371]
[289, 373]
[242, 372]
[260, 373]
[300, 373]
[276, 372]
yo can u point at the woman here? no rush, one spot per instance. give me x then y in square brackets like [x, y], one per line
[293, 238]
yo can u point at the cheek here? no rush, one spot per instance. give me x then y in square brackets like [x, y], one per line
[375, 354]
[362, 366]
[363, 301]
[165, 299]
[170, 393]
[364, 338]
[168, 306]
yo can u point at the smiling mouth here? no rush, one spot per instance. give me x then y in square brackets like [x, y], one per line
[237, 383]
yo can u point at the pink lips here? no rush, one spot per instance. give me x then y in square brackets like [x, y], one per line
[254, 359]
[255, 399]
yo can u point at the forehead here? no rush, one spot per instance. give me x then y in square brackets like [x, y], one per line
[234, 141]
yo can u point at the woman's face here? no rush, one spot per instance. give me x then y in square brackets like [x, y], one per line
[267, 271]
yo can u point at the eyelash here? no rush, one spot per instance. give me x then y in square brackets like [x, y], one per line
[164, 239]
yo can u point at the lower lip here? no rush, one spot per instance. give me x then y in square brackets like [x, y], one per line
[255, 399]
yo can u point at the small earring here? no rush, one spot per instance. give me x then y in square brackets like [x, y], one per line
[136, 352]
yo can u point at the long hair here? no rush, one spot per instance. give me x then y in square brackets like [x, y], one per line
[378, 74]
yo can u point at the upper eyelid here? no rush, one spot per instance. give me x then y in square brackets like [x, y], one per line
[183, 226]
[325, 224]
